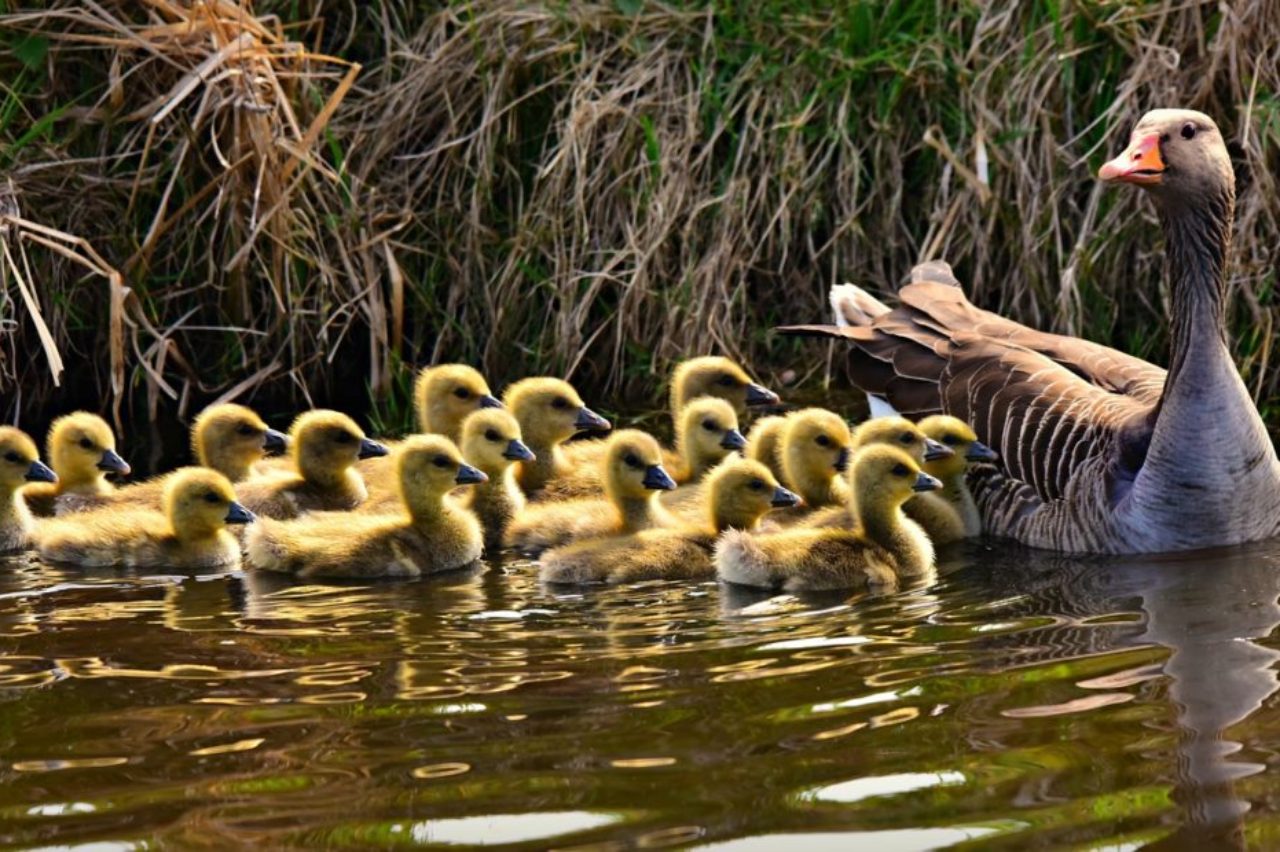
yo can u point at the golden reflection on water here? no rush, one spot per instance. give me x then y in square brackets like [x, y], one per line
[1019, 699]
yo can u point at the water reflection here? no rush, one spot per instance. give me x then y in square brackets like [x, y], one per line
[1017, 699]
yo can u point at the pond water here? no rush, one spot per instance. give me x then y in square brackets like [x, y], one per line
[1017, 699]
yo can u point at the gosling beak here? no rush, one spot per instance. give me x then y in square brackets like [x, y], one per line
[371, 449]
[925, 482]
[657, 479]
[980, 452]
[760, 395]
[782, 498]
[468, 475]
[842, 460]
[112, 463]
[589, 421]
[487, 401]
[733, 440]
[275, 441]
[40, 472]
[1140, 163]
[934, 451]
[517, 451]
[237, 514]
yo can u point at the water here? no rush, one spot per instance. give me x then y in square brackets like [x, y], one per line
[1018, 699]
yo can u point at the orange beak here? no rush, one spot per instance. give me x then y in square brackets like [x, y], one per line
[1140, 163]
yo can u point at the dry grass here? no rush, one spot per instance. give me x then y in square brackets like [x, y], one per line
[600, 189]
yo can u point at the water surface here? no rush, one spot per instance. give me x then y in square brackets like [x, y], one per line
[1017, 699]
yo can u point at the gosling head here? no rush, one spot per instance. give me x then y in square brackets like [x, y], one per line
[550, 411]
[492, 441]
[19, 461]
[445, 394]
[885, 477]
[815, 445]
[633, 466]
[199, 502]
[741, 491]
[429, 467]
[1178, 155]
[956, 435]
[712, 375]
[707, 432]
[230, 438]
[902, 433]
[325, 443]
[82, 448]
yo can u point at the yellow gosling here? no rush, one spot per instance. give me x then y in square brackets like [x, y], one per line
[550, 412]
[958, 436]
[323, 447]
[764, 443]
[712, 375]
[706, 432]
[232, 439]
[429, 534]
[491, 440]
[885, 546]
[189, 534]
[814, 456]
[633, 475]
[82, 451]
[19, 465]
[444, 395]
[739, 491]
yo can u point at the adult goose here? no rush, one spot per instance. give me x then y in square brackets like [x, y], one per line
[1100, 452]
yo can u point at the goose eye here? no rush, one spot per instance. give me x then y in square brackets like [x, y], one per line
[906, 438]
[950, 440]
[440, 461]
[1188, 131]
[492, 435]
[631, 460]
[12, 456]
[462, 393]
[344, 438]
[86, 443]
[900, 469]
[212, 497]
[559, 402]
[823, 441]
[709, 425]
[757, 485]
[726, 381]
[246, 430]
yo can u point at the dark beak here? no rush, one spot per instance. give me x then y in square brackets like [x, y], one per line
[237, 514]
[40, 472]
[657, 479]
[468, 475]
[112, 463]
[517, 451]
[488, 401]
[925, 482]
[589, 421]
[733, 440]
[275, 441]
[980, 452]
[934, 451]
[757, 395]
[842, 460]
[371, 449]
[783, 498]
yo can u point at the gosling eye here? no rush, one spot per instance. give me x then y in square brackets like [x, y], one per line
[950, 440]
[85, 443]
[12, 456]
[246, 430]
[726, 381]
[906, 438]
[756, 485]
[559, 402]
[1189, 130]
[631, 460]
[492, 435]
[212, 497]
[710, 425]
[344, 438]
[462, 393]
[440, 461]
[901, 469]
[822, 441]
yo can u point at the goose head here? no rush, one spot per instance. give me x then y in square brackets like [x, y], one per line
[550, 411]
[884, 477]
[741, 491]
[712, 375]
[19, 461]
[957, 436]
[445, 394]
[706, 432]
[82, 449]
[199, 502]
[1176, 154]
[326, 443]
[492, 441]
[428, 468]
[815, 446]
[229, 438]
[633, 466]
[902, 433]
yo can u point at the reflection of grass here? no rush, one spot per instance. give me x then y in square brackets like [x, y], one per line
[598, 188]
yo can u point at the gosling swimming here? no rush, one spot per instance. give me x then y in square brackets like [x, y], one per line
[19, 464]
[82, 451]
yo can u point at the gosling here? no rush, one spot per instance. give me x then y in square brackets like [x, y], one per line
[491, 440]
[19, 464]
[550, 412]
[82, 451]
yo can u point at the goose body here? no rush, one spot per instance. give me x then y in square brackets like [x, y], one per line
[491, 441]
[1100, 452]
[19, 464]
[82, 450]
[764, 442]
